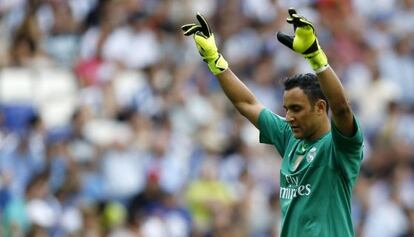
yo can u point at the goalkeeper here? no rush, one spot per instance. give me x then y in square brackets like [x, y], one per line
[321, 154]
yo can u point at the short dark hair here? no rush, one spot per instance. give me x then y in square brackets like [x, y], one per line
[309, 84]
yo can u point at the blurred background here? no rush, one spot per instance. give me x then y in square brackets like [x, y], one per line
[112, 125]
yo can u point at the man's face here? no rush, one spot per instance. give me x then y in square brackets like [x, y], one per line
[303, 117]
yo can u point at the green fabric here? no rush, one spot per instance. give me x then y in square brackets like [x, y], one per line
[315, 196]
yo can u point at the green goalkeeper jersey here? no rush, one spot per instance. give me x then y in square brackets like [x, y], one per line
[316, 178]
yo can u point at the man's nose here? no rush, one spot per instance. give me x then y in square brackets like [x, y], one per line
[289, 118]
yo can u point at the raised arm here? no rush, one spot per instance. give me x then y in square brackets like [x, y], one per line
[237, 92]
[306, 43]
[341, 110]
[241, 97]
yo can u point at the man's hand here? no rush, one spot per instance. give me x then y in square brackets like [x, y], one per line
[206, 44]
[304, 41]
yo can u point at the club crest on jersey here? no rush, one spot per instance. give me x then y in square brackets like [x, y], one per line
[311, 154]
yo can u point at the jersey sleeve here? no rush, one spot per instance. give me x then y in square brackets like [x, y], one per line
[349, 150]
[274, 130]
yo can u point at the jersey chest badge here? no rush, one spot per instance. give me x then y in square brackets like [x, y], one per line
[311, 154]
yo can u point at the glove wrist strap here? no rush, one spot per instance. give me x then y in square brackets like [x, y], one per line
[317, 60]
[323, 68]
[218, 65]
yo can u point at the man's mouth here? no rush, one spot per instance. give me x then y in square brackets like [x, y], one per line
[294, 128]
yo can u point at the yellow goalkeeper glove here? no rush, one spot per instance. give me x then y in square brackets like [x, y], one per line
[206, 44]
[304, 41]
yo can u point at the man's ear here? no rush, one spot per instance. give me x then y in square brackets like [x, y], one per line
[321, 106]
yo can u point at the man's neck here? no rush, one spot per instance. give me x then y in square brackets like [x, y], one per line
[322, 131]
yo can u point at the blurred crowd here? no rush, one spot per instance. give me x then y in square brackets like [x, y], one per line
[142, 142]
